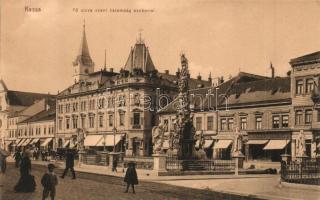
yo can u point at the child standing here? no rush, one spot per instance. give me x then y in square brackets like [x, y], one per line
[49, 181]
[131, 177]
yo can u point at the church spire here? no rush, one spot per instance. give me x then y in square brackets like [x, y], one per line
[83, 56]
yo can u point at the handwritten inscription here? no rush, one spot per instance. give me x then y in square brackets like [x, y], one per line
[111, 10]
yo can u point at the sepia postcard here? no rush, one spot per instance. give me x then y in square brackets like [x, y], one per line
[159, 99]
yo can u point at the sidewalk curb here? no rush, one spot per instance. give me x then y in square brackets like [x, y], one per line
[301, 186]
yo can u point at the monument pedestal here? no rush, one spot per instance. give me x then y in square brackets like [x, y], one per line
[159, 163]
[112, 157]
[285, 158]
[239, 158]
[105, 157]
[81, 157]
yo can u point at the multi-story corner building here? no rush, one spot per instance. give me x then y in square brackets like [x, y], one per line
[258, 107]
[14, 107]
[305, 75]
[271, 113]
[38, 130]
[115, 109]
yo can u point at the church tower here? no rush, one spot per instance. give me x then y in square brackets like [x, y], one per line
[83, 64]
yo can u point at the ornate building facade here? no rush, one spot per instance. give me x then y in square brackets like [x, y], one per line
[115, 110]
[270, 112]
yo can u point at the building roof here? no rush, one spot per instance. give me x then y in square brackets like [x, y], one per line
[139, 58]
[47, 114]
[18, 98]
[244, 89]
[306, 59]
[193, 83]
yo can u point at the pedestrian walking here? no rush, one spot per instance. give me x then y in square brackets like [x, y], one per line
[131, 177]
[49, 182]
[26, 182]
[114, 165]
[69, 164]
[3, 160]
[17, 157]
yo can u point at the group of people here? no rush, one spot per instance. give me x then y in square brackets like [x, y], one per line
[49, 180]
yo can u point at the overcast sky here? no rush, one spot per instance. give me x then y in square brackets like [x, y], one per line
[221, 37]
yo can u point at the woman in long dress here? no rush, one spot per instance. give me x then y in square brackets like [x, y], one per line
[26, 182]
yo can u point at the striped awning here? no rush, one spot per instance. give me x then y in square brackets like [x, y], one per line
[35, 140]
[207, 143]
[20, 143]
[26, 142]
[276, 144]
[46, 142]
[66, 143]
[222, 144]
[17, 142]
[110, 140]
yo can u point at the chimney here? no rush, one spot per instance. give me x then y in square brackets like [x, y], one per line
[178, 73]
[111, 69]
[166, 71]
[199, 77]
[210, 78]
[272, 70]
[220, 80]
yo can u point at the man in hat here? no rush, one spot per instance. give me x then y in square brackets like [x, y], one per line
[49, 182]
[131, 177]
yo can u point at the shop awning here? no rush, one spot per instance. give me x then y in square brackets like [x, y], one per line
[26, 142]
[17, 142]
[21, 141]
[257, 141]
[222, 144]
[9, 142]
[45, 143]
[207, 143]
[35, 140]
[66, 143]
[72, 144]
[276, 144]
[109, 140]
[92, 140]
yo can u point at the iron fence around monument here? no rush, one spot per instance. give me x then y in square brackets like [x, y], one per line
[175, 164]
[304, 172]
[141, 162]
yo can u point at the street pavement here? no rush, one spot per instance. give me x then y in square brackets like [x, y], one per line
[89, 186]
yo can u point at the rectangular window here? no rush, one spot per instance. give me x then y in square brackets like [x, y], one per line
[285, 121]
[198, 123]
[308, 117]
[223, 124]
[75, 122]
[258, 122]
[299, 87]
[60, 124]
[136, 119]
[83, 122]
[275, 122]
[299, 117]
[91, 121]
[100, 121]
[309, 85]
[243, 123]
[121, 116]
[230, 124]
[210, 123]
[67, 123]
[318, 117]
[110, 120]
[44, 130]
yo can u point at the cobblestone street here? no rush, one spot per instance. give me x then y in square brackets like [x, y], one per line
[95, 187]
